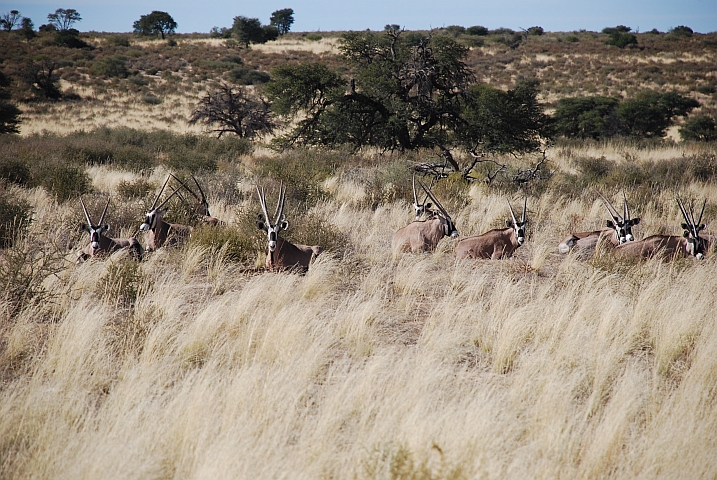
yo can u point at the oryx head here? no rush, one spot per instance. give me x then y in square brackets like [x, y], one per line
[622, 225]
[692, 229]
[156, 212]
[264, 223]
[423, 207]
[449, 228]
[518, 226]
[202, 207]
[95, 230]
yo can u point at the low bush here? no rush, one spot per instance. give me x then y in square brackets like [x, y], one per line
[63, 181]
[15, 216]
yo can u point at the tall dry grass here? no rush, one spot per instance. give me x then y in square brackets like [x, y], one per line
[371, 365]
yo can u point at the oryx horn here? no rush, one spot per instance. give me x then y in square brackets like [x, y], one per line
[433, 197]
[279, 213]
[87, 215]
[104, 212]
[185, 186]
[154, 204]
[525, 209]
[204, 198]
[415, 197]
[262, 202]
[625, 208]
[515, 222]
[611, 210]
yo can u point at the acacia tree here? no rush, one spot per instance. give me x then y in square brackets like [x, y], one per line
[155, 23]
[9, 20]
[233, 110]
[248, 30]
[63, 19]
[282, 19]
[9, 113]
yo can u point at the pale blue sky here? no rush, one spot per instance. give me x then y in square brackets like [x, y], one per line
[326, 15]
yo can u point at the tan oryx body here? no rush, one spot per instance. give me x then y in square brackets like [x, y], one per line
[159, 233]
[690, 244]
[201, 208]
[497, 243]
[619, 231]
[101, 245]
[282, 254]
[424, 235]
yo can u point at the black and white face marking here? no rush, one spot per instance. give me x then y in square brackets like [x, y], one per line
[518, 227]
[96, 232]
[264, 222]
[695, 244]
[623, 229]
[150, 219]
[272, 232]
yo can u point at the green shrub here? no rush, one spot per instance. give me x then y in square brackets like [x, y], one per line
[477, 30]
[64, 181]
[138, 189]
[14, 171]
[113, 66]
[248, 76]
[151, 99]
[312, 229]
[701, 128]
[313, 37]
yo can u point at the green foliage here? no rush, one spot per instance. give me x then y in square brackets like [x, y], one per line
[112, 66]
[27, 29]
[535, 31]
[497, 121]
[64, 181]
[63, 19]
[618, 29]
[249, 76]
[477, 30]
[312, 229]
[155, 23]
[701, 128]
[70, 38]
[622, 40]
[14, 171]
[313, 37]
[134, 190]
[682, 31]
[587, 117]
[649, 113]
[248, 30]
[237, 243]
[9, 113]
[282, 20]
[454, 30]
[270, 34]
[9, 20]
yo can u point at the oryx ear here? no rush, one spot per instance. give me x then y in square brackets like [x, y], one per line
[260, 225]
[635, 221]
[702, 227]
[284, 225]
[106, 228]
[508, 223]
[610, 224]
[684, 226]
[84, 227]
[686, 234]
[428, 205]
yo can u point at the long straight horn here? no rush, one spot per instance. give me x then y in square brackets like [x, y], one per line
[626, 210]
[185, 186]
[433, 197]
[699, 222]
[160, 193]
[175, 192]
[415, 197]
[104, 212]
[515, 222]
[525, 209]
[87, 215]
[262, 202]
[280, 205]
[684, 212]
[204, 198]
[611, 210]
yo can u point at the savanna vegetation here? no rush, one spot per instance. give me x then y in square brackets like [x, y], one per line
[196, 362]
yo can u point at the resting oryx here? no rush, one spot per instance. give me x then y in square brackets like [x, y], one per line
[101, 245]
[496, 243]
[423, 235]
[158, 232]
[422, 208]
[201, 209]
[618, 231]
[671, 246]
[282, 253]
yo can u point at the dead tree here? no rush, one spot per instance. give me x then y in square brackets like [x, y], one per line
[231, 109]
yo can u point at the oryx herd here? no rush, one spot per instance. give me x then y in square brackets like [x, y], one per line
[431, 223]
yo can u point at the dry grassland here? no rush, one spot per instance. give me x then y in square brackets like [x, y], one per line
[372, 365]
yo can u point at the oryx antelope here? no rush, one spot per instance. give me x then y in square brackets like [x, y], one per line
[424, 235]
[282, 254]
[158, 232]
[618, 231]
[497, 243]
[201, 209]
[422, 208]
[671, 246]
[101, 245]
